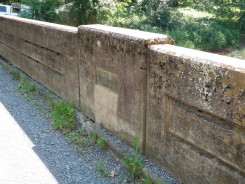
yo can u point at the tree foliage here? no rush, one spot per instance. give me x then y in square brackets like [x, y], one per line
[208, 33]
[84, 11]
[223, 27]
[44, 10]
[8, 2]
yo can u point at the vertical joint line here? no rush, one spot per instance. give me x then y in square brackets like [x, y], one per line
[145, 104]
[78, 73]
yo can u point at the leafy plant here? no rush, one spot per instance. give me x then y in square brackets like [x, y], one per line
[63, 115]
[133, 161]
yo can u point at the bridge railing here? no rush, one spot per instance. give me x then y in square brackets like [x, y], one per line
[186, 106]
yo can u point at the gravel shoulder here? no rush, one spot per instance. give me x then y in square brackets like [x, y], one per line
[62, 159]
[65, 164]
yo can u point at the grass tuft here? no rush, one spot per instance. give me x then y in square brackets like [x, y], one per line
[63, 116]
[14, 73]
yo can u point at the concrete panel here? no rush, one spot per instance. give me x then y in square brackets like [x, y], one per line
[218, 137]
[10, 40]
[113, 63]
[195, 114]
[36, 70]
[44, 51]
[45, 56]
[58, 38]
[190, 165]
[107, 79]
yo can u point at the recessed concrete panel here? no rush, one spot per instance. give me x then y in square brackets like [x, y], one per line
[216, 136]
[107, 79]
[195, 114]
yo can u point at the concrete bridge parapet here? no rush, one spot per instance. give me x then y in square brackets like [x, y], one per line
[186, 106]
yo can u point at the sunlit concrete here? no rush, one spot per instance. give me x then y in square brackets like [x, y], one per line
[18, 162]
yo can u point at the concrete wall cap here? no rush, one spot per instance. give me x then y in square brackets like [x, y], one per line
[131, 34]
[201, 57]
[41, 23]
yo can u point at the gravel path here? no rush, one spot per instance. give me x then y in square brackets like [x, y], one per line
[32, 152]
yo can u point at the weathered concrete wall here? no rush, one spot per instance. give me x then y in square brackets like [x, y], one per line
[196, 114]
[47, 52]
[113, 77]
[186, 106]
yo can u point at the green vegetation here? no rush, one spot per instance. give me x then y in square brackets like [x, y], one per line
[200, 24]
[44, 10]
[80, 138]
[98, 140]
[14, 73]
[84, 11]
[63, 115]
[147, 180]
[204, 25]
[9, 1]
[26, 88]
[133, 161]
[76, 137]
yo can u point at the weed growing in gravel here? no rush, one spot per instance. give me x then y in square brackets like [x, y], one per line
[31, 92]
[80, 138]
[14, 73]
[101, 142]
[63, 116]
[26, 88]
[148, 180]
[135, 143]
[98, 140]
[134, 161]
[101, 169]
[51, 101]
